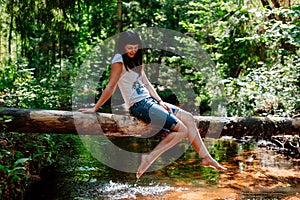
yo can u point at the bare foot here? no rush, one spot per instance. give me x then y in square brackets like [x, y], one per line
[210, 162]
[145, 164]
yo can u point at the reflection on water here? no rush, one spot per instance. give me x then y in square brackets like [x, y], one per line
[254, 172]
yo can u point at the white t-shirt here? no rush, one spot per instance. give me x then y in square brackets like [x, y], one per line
[130, 83]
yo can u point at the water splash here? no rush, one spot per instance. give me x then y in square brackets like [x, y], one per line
[116, 190]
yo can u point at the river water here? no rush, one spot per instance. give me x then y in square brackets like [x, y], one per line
[254, 171]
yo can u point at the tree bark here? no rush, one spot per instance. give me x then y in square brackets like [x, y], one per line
[276, 3]
[11, 26]
[113, 125]
[265, 3]
[119, 5]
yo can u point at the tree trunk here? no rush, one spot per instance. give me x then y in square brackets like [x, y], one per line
[119, 16]
[10, 37]
[265, 4]
[67, 122]
[276, 3]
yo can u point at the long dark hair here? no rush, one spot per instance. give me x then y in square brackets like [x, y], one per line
[130, 37]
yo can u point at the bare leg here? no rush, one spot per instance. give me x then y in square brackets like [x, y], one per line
[184, 128]
[180, 132]
[196, 141]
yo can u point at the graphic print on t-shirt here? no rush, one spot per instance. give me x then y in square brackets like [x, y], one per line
[138, 87]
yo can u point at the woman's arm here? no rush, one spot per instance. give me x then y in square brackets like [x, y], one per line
[115, 72]
[153, 92]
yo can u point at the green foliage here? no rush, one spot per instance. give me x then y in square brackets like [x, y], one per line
[270, 85]
[21, 159]
[240, 38]
[265, 91]
[55, 38]
[43, 44]
[20, 88]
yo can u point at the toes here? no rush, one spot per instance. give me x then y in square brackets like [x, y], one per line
[213, 164]
[143, 166]
[138, 175]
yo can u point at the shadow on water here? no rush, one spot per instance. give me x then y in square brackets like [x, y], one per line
[254, 172]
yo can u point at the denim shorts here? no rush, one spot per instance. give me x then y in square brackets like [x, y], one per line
[150, 111]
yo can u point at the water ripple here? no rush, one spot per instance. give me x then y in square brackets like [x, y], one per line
[115, 190]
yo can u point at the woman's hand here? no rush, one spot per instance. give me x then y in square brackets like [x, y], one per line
[87, 110]
[165, 106]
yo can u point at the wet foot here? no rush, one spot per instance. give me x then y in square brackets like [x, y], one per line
[143, 166]
[210, 162]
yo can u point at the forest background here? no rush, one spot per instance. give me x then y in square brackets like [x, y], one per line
[254, 45]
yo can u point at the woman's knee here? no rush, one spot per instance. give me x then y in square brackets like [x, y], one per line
[181, 129]
[185, 116]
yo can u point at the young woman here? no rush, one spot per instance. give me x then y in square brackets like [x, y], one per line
[144, 103]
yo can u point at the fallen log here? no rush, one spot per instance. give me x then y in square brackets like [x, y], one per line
[114, 125]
